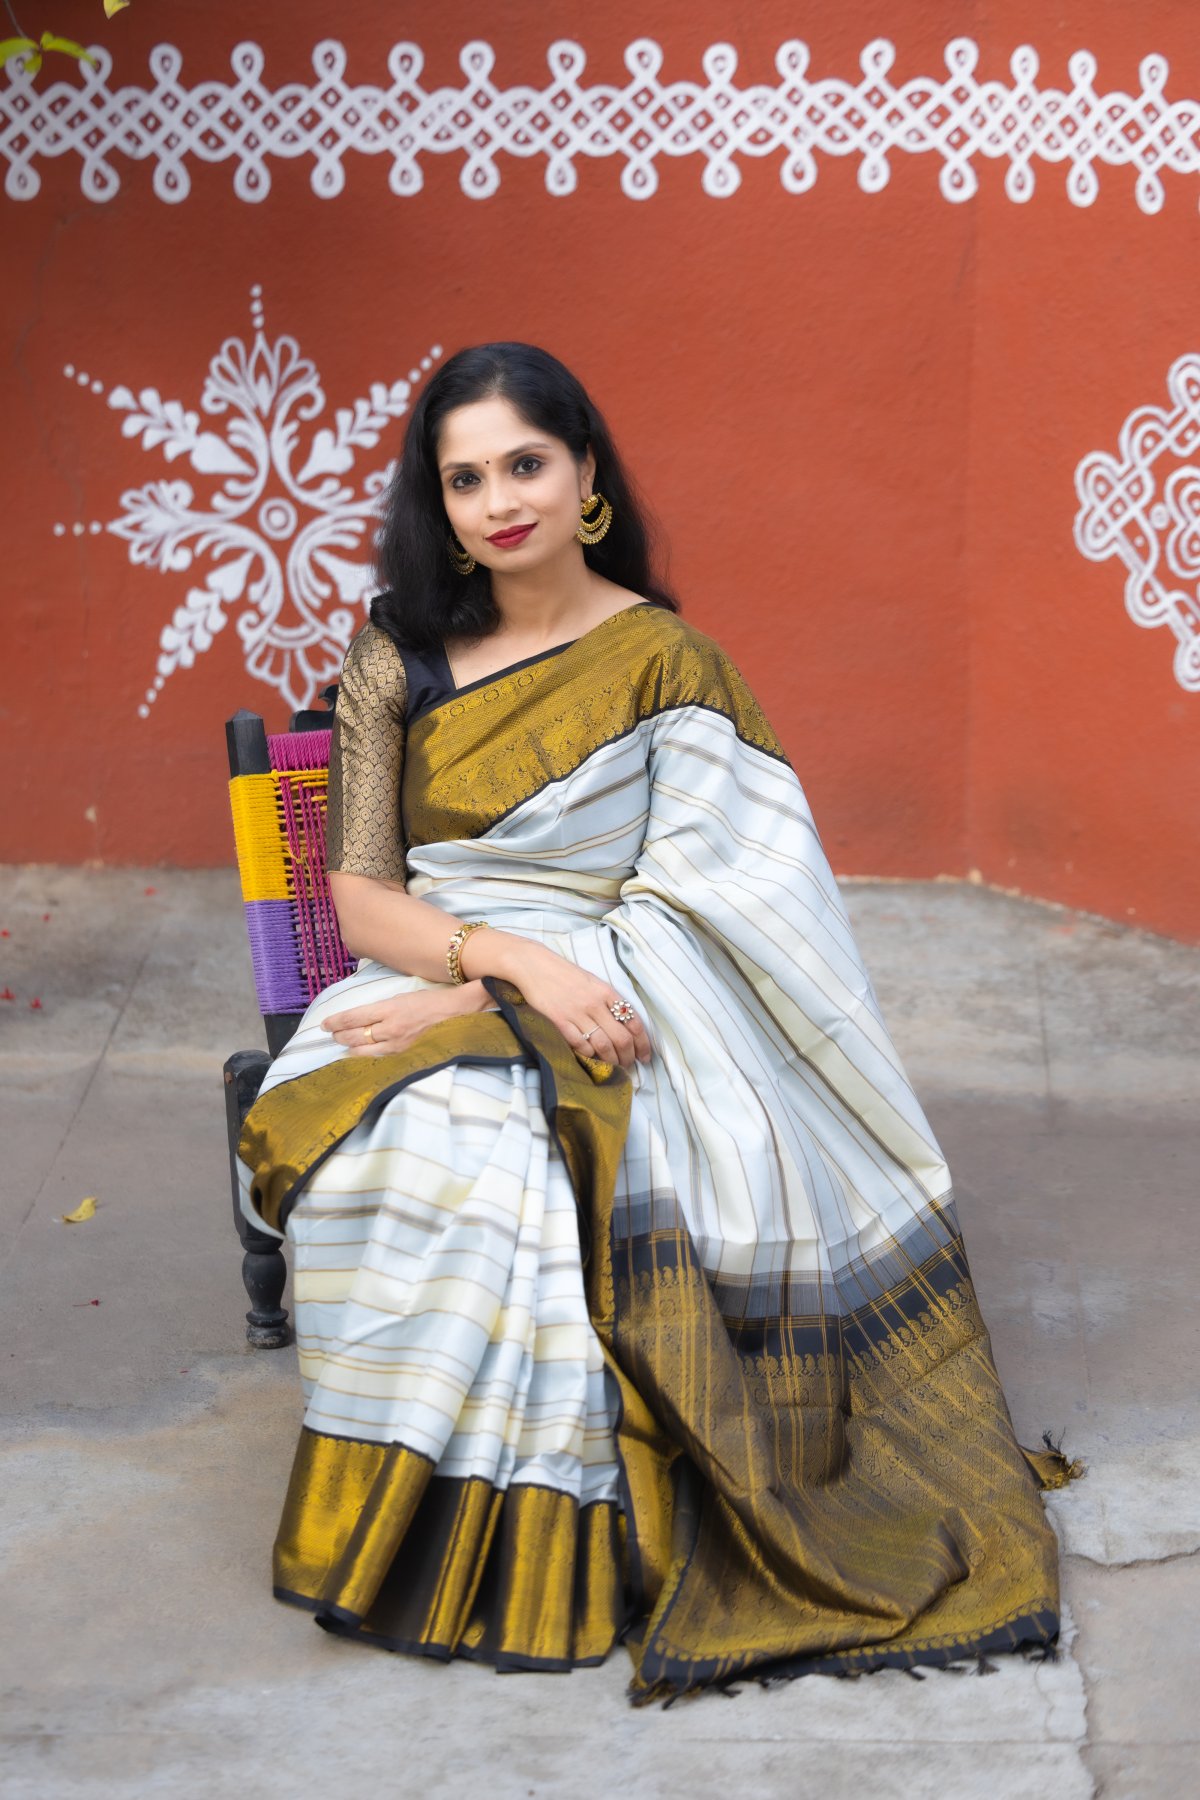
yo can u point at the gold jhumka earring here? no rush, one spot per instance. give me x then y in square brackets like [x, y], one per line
[459, 555]
[592, 530]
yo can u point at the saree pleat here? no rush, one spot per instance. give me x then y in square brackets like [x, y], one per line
[690, 1357]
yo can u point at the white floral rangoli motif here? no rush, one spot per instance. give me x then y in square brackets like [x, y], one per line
[278, 531]
[955, 117]
[1143, 506]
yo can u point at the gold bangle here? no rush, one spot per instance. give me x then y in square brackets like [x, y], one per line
[455, 950]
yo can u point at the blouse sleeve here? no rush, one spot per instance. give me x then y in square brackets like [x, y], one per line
[366, 760]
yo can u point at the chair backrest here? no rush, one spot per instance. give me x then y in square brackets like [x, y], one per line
[278, 785]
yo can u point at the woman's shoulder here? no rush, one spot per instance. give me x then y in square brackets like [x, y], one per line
[679, 648]
[685, 667]
[373, 664]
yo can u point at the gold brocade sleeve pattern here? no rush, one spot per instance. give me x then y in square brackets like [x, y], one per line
[366, 759]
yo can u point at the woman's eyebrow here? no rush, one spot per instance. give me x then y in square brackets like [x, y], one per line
[535, 444]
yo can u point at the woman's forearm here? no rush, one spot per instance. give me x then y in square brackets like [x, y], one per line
[379, 920]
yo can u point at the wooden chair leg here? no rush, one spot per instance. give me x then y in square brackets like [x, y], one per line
[264, 1270]
[264, 1273]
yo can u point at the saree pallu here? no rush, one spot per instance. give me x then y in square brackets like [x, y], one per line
[686, 1357]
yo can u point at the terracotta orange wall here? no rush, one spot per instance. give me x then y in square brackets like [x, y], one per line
[858, 417]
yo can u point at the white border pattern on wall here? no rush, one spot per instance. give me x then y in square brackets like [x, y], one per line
[1143, 506]
[956, 118]
[277, 528]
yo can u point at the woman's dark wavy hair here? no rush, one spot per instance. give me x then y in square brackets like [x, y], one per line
[425, 599]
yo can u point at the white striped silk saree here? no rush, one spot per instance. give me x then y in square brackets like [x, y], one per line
[686, 1357]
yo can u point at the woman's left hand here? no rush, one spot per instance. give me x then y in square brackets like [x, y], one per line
[385, 1026]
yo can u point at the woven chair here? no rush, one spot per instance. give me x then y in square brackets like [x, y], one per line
[277, 793]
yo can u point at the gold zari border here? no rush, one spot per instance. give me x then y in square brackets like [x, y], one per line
[383, 1550]
[473, 758]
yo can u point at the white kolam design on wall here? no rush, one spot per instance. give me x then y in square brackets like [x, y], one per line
[954, 117]
[1142, 505]
[277, 529]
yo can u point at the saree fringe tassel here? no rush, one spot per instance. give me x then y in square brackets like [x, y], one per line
[1053, 1468]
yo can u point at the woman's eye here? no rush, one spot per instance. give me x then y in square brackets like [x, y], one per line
[458, 482]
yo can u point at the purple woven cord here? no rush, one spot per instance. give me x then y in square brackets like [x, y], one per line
[270, 926]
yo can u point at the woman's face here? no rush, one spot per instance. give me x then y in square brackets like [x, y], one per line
[499, 472]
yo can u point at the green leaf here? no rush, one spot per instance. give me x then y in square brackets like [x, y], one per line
[15, 47]
[67, 46]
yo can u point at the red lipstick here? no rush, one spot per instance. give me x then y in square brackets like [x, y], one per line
[513, 535]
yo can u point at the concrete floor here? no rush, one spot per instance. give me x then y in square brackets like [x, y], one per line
[145, 1449]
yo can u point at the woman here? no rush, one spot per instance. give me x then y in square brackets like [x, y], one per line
[630, 1298]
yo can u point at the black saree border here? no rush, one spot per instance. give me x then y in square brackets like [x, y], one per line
[1033, 1631]
[503, 1661]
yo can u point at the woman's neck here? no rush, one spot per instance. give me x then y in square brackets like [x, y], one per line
[543, 606]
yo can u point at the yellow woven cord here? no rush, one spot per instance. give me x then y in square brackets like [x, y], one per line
[265, 863]
[258, 834]
[316, 782]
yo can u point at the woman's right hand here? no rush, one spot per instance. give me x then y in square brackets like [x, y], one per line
[571, 998]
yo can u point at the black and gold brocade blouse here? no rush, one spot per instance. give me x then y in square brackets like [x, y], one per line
[363, 831]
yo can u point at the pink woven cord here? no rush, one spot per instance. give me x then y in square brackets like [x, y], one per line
[299, 749]
[323, 956]
[331, 952]
[295, 844]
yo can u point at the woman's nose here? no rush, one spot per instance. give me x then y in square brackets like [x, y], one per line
[500, 500]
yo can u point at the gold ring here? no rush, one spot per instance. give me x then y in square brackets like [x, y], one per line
[370, 1031]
